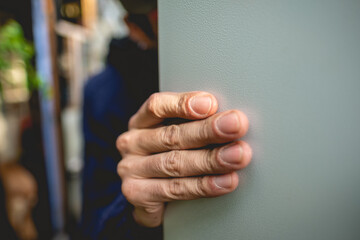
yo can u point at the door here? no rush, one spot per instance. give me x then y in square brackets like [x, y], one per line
[294, 68]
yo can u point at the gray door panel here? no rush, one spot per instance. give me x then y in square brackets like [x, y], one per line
[294, 68]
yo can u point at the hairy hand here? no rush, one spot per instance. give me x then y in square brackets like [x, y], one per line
[165, 163]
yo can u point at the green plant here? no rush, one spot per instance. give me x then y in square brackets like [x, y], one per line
[14, 45]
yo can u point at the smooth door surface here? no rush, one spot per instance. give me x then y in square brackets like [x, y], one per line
[294, 68]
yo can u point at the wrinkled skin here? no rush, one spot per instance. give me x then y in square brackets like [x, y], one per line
[163, 163]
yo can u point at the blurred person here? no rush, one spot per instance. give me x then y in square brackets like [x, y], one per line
[19, 196]
[110, 99]
[161, 161]
[32, 158]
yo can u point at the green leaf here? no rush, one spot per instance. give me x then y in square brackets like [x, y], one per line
[13, 43]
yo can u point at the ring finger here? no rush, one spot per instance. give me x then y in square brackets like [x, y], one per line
[184, 163]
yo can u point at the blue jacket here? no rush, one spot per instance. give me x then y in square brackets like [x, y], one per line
[110, 99]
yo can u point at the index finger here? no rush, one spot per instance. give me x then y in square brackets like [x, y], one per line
[159, 106]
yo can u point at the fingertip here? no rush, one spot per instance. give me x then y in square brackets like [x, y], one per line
[244, 123]
[235, 180]
[247, 154]
[163, 105]
[214, 106]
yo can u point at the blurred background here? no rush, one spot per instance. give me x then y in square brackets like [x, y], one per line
[48, 49]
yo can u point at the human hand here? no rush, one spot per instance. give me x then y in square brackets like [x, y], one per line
[165, 163]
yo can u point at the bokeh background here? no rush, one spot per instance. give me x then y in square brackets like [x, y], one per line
[48, 49]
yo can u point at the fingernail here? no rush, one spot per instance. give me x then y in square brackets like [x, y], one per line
[229, 123]
[201, 104]
[231, 154]
[223, 181]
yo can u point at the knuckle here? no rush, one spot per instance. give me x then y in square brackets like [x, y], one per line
[206, 132]
[171, 136]
[128, 189]
[123, 142]
[123, 168]
[152, 105]
[132, 122]
[176, 190]
[182, 104]
[210, 165]
[200, 187]
[171, 164]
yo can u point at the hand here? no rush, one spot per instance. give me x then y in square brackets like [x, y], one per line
[165, 163]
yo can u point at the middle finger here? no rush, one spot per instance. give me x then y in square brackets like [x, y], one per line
[219, 128]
